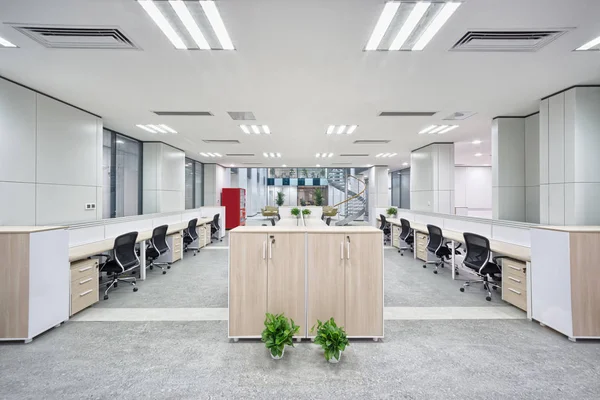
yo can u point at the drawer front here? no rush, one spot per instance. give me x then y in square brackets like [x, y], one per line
[514, 281]
[516, 297]
[85, 294]
[176, 255]
[422, 254]
[395, 236]
[83, 269]
[513, 268]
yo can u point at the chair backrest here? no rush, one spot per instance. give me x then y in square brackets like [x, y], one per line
[478, 250]
[383, 221]
[272, 222]
[405, 228]
[436, 239]
[159, 238]
[191, 229]
[124, 249]
[322, 216]
[215, 221]
[328, 221]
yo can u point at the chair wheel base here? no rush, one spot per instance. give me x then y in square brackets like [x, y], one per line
[435, 272]
[424, 266]
[488, 298]
[168, 267]
[116, 284]
[494, 288]
[164, 272]
[135, 289]
[462, 289]
[105, 297]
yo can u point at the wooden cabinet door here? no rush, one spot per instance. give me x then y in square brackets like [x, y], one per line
[247, 284]
[285, 288]
[364, 284]
[325, 277]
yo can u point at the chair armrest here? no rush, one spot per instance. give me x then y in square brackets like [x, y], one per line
[498, 258]
[102, 255]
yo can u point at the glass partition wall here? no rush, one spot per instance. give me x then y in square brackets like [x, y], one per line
[194, 190]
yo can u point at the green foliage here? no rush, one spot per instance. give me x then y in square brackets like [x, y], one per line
[331, 338]
[302, 202]
[295, 212]
[272, 172]
[318, 197]
[292, 172]
[392, 211]
[306, 211]
[280, 198]
[279, 332]
[305, 172]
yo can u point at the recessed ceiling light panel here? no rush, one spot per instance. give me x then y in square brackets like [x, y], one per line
[341, 129]
[272, 155]
[438, 129]
[211, 155]
[593, 44]
[6, 43]
[256, 129]
[157, 128]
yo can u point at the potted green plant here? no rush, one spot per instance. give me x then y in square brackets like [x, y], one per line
[302, 202]
[279, 332]
[318, 197]
[280, 198]
[272, 172]
[332, 339]
[392, 211]
[292, 172]
[305, 213]
[295, 212]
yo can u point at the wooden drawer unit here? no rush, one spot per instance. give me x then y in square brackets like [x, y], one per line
[84, 285]
[514, 283]
[396, 236]
[421, 246]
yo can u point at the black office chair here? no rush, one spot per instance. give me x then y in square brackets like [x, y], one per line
[278, 217]
[272, 222]
[438, 247]
[477, 259]
[124, 260]
[407, 236]
[190, 235]
[215, 229]
[328, 221]
[157, 245]
[322, 216]
[385, 227]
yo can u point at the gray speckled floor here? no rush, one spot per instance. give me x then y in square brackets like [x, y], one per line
[194, 360]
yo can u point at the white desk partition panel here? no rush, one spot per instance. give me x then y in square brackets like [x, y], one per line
[315, 211]
[459, 225]
[512, 234]
[209, 212]
[85, 235]
[114, 230]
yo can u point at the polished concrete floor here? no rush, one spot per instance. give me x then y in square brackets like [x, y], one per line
[169, 341]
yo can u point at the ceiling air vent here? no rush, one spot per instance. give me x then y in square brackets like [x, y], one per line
[374, 141]
[184, 113]
[77, 37]
[512, 41]
[460, 115]
[354, 155]
[407, 113]
[222, 141]
[241, 115]
[239, 155]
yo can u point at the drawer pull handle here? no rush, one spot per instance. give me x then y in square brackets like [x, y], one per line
[85, 281]
[514, 280]
[514, 291]
[515, 268]
[87, 292]
[84, 269]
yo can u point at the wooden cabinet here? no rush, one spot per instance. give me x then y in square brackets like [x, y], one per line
[396, 236]
[266, 274]
[421, 245]
[514, 283]
[345, 281]
[84, 284]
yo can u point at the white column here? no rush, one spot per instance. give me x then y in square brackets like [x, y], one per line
[432, 178]
[163, 178]
[532, 168]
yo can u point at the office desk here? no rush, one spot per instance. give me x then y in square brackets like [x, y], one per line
[314, 222]
[289, 222]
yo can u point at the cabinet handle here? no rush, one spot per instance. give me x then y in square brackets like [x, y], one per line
[264, 250]
[342, 250]
[514, 279]
[86, 281]
[84, 269]
[87, 292]
[515, 268]
[270, 249]
[514, 291]
[348, 250]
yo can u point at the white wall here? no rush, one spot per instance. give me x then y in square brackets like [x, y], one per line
[473, 191]
[216, 178]
[432, 178]
[532, 169]
[163, 178]
[50, 160]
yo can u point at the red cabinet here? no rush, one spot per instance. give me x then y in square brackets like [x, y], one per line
[234, 201]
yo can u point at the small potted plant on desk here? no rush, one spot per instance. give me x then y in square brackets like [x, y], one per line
[306, 212]
[332, 339]
[295, 212]
[392, 212]
[279, 332]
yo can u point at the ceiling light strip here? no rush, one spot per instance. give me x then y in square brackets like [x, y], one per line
[266, 129]
[448, 129]
[341, 129]
[188, 21]
[385, 19]
[144, 127]
[156, 128]
[351, 129]
[212, 13]
[6, 43]
[255, 129]
[438, 129]
[245, 129]
[590, 44]
[436, 25]
[168, 128]
[409, 26]
[426, 130]
[160, 20]
[330, 129]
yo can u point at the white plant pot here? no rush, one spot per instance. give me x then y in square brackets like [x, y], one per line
[275, 357]
[334, 361]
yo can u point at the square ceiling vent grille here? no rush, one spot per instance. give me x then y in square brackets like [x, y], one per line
[77, 37]
[511, 41]
[241, 115]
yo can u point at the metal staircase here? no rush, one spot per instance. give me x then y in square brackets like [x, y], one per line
[356, 204]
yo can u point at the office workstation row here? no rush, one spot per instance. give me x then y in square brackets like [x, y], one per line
[550, 274]
[46, 281]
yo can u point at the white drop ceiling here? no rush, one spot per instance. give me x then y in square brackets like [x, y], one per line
[299, 66]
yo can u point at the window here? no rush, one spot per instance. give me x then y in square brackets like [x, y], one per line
[121, 161]
[194, 194]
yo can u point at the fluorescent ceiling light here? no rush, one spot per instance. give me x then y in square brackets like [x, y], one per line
[245, 129]
[436, 25]
[438, 129]
[478, 154]
[168, 128]
[448, 129]
[188, 21]
[476, 142]
[162, 23]
[389, 10]
[218, 155]
[330, 129]
[351, 129]
[278, 155]
[272, 155]
[284, 165]
[405, 164]
[330, 155]
[266, 129]
[318, 165]
[204, 154]
[144, 127]
[232, 165]
[212, 13]
[210, 154]
[426, 130]
[410, 25]
[6, 43]
[341, 129]
[318, 155]
[379, 155]
[156, 128]
[324, 155]
[266, 155]
[255, 129]
[393, 154]
[589, 45]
